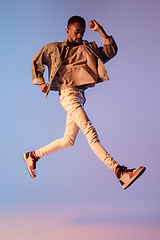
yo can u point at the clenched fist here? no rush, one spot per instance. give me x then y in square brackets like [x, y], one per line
[93, 25]
[44, 87]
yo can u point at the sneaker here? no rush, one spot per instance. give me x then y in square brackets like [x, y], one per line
[127, 176]
[31, 160]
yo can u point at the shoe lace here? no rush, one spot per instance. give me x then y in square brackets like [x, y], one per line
[123, 168]
[120, 171]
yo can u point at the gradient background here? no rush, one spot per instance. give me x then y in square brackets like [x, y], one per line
[74, 195]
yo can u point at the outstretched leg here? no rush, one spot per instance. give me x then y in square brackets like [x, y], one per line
[71, 100]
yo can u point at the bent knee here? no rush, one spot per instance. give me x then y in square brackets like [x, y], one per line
[68, 142]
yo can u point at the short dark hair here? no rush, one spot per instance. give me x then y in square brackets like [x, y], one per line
[78, 19]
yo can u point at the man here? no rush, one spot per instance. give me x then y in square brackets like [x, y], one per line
[75, 65]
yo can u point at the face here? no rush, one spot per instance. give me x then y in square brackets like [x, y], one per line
[75, 33]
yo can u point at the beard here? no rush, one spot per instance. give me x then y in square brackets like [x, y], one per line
[76, 42]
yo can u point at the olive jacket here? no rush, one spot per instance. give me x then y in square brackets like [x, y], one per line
[53, 54]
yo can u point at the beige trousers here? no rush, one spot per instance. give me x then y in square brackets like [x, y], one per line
[72, 100]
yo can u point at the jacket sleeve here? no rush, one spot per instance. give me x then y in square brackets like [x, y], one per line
[37, 68]
[109, 49]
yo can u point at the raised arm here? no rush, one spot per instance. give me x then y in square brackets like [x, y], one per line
[109, 49]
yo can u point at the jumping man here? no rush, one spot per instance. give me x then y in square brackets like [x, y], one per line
[75, 65]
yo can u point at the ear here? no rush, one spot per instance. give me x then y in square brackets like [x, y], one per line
[67, 30]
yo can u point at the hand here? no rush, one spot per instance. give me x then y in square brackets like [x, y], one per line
[44, 87]
[93, 25]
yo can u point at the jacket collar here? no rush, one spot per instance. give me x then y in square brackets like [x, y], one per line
[64, 43]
